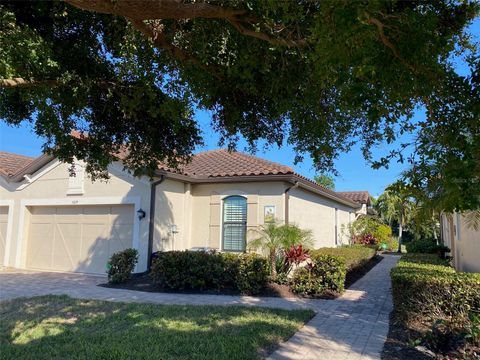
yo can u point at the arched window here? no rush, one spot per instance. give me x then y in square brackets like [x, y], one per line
[234, 223]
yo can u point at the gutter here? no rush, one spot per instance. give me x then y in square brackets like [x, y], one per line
[287, 200]
[151, 224]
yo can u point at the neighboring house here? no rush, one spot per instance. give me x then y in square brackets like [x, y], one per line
[52, 221]
[362, 198]
[463, 241]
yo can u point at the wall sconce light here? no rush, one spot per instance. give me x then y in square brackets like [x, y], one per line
[173, 229]
[141, 214]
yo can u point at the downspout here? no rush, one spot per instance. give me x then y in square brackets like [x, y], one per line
[151, 224]
[287, 197]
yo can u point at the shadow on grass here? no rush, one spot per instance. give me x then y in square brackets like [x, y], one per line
[49, 327]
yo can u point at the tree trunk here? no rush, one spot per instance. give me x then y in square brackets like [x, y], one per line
[400, 234]
[273, 263]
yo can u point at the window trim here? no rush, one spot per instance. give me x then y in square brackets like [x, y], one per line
[222, 222]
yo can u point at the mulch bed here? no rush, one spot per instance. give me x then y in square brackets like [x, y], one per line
[143, 282]
[401, 344]
[398, 345]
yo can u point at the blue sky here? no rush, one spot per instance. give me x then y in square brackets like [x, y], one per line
[354, 172]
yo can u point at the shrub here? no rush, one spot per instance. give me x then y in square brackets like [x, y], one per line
[191, 270]
[325, 275]
[427, 287]
[391, 244]
[369, 231]
[252, 275]
[424, 246]
[121, 265]
[354, 255]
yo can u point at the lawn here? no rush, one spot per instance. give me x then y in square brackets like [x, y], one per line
[59, 327]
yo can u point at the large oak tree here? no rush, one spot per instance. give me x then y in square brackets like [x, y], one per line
[322, 75]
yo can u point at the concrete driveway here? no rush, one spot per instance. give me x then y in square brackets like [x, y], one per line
[353, 326]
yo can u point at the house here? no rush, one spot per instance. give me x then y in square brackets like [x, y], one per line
[52, 221]
[362, 198]
[463, 239]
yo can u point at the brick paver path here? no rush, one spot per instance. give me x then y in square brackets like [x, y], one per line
[353, 326]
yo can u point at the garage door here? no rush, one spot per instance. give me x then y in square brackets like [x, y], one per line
[77, 238]
[3, 231]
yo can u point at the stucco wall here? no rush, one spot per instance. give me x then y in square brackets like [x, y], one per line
[171, 208]
[207, 202]
[53, 186]
[314, 212]
[464, 242]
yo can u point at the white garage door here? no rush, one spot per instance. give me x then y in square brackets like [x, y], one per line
[3, 231]
[77, 238]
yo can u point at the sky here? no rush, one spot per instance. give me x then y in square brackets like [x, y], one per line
[354, 172]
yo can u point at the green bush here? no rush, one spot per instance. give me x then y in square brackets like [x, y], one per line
[427, 287]
[121, 265]
[391, 244]
[192, 270]
[325, 276]
[424, 246]
[367, 229]
[355, 256]
[252, 275]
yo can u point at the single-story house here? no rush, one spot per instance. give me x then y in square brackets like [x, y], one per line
[463, 239]
[52, 221]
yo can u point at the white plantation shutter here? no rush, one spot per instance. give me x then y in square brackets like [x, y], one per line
[234, 223]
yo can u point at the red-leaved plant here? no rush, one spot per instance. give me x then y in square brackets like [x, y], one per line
[367, 239]
[295, 256]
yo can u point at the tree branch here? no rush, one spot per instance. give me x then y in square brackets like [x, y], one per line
[137, 11]
[380, 26]
[265, 37]
[23, 83]
[158, 9]
[155, 32]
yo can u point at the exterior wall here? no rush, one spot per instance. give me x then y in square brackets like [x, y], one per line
[207, 208]
[172, 210]
[52, 188]
[314, 212]
[362, 210]
[464, 242]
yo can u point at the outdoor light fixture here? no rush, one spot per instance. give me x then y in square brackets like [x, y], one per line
[173, 229]
[141, 214]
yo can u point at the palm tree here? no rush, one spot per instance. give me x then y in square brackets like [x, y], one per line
[274, 237]
[395, 205]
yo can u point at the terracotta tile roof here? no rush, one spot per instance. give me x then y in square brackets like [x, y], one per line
[12, 163]
[361, 197]
[221, 162]
[213, 164]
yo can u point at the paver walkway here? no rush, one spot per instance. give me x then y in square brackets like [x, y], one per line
[351, 327]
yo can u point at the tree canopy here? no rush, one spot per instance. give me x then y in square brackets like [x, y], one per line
[320, 75]
[325, 180]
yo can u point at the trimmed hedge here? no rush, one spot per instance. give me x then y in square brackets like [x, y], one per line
[192, 270]
[324, 276]
[355, 256]
[121, 265]
[424, 247]
[427, 287]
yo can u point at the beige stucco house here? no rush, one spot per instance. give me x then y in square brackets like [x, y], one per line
[52, 221]
[463, 240]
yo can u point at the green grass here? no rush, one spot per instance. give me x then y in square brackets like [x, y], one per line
[59, 327]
